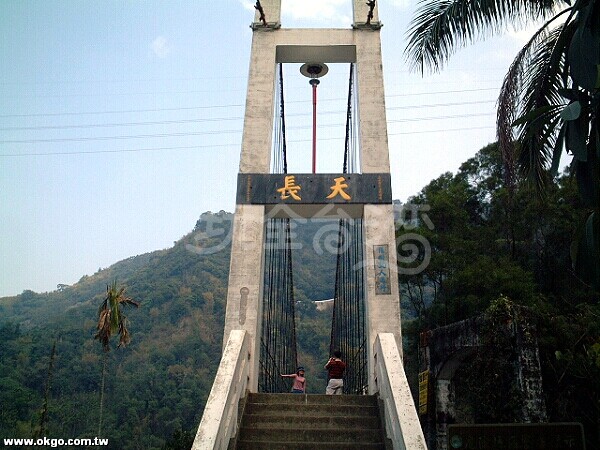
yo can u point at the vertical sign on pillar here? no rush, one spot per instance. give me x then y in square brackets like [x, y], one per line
[423, 388]
[382, 270]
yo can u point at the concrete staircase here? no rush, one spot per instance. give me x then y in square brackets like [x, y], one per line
[295, 421]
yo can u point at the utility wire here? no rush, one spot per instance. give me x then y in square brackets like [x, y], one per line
[109, 138]
[435, 105]
[120, 124]
[237, 105]
[127, 150]
[211, 132]
[80, 113]
[220, 77]
[122, 94]
[218, 119]
[135, 150]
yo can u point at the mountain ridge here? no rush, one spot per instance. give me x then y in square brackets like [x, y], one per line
[158, 385]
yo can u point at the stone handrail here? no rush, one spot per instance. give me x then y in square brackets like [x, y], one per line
[401, 419]
[219, 420]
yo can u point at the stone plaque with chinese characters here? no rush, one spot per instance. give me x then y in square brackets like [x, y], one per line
[423, 391]
[382, 270]
[517, 436]
[320, 188]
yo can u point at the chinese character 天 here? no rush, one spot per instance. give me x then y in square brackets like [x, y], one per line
[338, 189]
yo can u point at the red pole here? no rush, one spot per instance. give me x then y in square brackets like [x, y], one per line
[314, 148]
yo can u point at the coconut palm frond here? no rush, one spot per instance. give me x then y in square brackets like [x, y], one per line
[508, 108]
[519, 80]
[104, 332]
[441, 26]
[131, 302]
[546, 76]
[124, 336]
[111, 319]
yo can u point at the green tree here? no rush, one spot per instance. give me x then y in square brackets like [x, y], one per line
[111, 321]
[480, 253]
[180, 440]
[550, 97]
[471, 240]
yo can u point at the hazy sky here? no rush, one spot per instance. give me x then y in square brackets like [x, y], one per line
[120, 121]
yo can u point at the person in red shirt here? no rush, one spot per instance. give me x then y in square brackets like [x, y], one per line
[299, 386]
[335, 370]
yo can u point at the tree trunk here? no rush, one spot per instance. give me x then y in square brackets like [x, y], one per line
[104, 362]
[44, 415]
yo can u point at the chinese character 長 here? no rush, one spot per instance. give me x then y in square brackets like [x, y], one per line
[290, 188]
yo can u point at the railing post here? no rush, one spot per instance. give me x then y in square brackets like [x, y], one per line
[219, 420]
[401, 420]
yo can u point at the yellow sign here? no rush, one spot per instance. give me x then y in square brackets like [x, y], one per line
[423, 387]
[338, 189]
[290, 188]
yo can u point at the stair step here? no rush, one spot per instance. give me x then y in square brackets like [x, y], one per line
[310, 421]
[313, 421]
[311, 435]
[366, 400]
[264, 445]
[300, 409]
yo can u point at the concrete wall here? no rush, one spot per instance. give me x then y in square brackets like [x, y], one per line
[219, 420]
[244, 291]
[401, 420]
[444, 349]
[382, 310]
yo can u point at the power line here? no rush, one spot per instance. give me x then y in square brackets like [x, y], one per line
[388, 69]
[412, 94]
[108, 138]
[209, 132]
[130, 150]
[80, 113]
[122, 94]
[229, 90]
[134, 150]
[440, 131]
[120, 124]
[412, 119]
[115, 81]
[218, 119]
[455, 116]
[435, 105]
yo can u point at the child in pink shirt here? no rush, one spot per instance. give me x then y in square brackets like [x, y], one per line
[299, 386]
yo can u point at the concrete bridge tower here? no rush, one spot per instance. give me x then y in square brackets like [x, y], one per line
[271, 45]
[371, 201]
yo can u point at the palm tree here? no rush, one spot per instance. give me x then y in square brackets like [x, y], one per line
[550, 97]
[112, 321]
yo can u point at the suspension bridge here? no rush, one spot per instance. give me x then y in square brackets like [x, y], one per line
[248, 407]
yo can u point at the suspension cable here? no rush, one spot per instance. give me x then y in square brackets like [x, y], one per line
[278, 340]
[348, 319]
